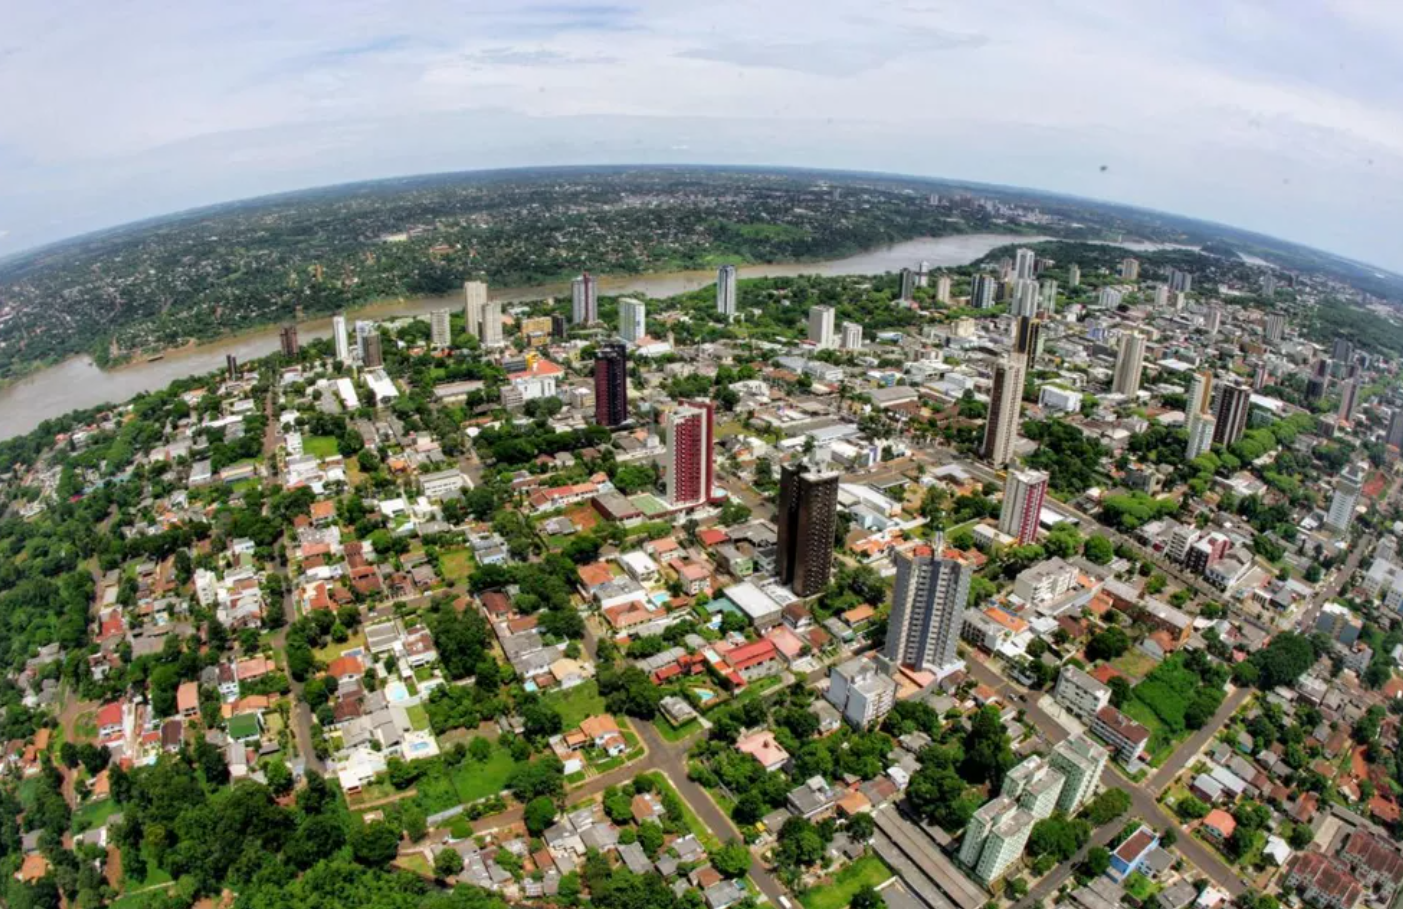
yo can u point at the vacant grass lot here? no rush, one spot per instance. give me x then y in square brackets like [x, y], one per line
[867, 870]
[577, 704]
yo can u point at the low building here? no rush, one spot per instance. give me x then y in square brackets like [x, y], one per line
[1081, 694]
[1323, 881]
[1122, 733]
[764, 748]
[861, 692]
[1131, 854]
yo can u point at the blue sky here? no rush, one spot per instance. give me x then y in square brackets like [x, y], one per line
[1281, 117]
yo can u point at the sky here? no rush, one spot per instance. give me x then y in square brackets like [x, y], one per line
[1281, 117]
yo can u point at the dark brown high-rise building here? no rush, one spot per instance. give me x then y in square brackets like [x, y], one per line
[808, 513]
[1318, 381]
[611, 385]
[371, 353]
[1234, 403]
[557, 326]
[231, 363]
[288, 338]
[1027, 338]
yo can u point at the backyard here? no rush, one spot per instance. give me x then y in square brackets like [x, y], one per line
[868, 870]
[320, 446]
[456, 565]
[577, 704]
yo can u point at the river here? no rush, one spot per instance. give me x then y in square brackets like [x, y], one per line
[78, 382]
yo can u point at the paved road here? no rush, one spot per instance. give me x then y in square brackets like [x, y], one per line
[1190, 747]
[1057, 876]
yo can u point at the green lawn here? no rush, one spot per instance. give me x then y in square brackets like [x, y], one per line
[677, 733]
[757, 688]
[1135, 663]
[836, 895]
[455, 565]
[577, 704]
[1140, 887]
[477, 781]
[93, 814]
[418, 716]
[85, 727]
[320, 446]
[415, 862]
[1162, 743]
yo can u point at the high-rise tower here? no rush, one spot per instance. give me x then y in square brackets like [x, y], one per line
[726, 291]
[611, 385]
[691, 456]
[1024, 494]
[1005, 401]
[928, 607]
[808, 511]
[584, 300]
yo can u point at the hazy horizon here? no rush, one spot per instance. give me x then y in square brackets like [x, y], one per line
[1284, 122]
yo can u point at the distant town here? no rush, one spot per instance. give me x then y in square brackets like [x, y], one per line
[1068, 577]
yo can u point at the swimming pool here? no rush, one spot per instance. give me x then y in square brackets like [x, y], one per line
[395, 692]
[660, 599]
[705, 695]
[419, 747]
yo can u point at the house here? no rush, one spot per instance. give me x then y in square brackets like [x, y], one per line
[1131, 854]
[109, 720]
[187, 700]
[755, 660]
[1375, 864]
[764, 748]
[813, 798]
[345, 668]
[419, 648]
[647, 807]
[1219, 825]
[604, 731]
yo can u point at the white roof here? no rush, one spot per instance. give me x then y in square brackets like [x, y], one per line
[751, 600]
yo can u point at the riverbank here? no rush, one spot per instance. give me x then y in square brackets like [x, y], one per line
[78, 382]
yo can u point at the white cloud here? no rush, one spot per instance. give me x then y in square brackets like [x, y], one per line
[1280, 118]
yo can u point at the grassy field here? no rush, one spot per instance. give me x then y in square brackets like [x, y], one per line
[456, 565]
[477, 781]
[415, 862]
[1140, 887]
[320, 446]
[1135, 663]
[678, 733]
[418, 716]
[93, 814]
[867, 870]
[332, 650]
[1161, 741]
[757, 688]
[577, 704]
[85, 727]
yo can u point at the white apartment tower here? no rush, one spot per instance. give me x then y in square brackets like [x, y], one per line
[1005, 401]
[474, 299]
[584, 300]
[440, 335]
[1036, 785]
[1081, 761]
[1025, 298]
[821, 326]
[633, 320]
[862, 694]
[928, 605]
[1199, 409]
[338, 335]
[1130, 269]
[981, 292]
[491, 333]
[852, 336]
[1274, 329]
[1024, 494]
[1024, 263]
[1047, 297]
[1345, 500]
[942, 289]
[1074, 275]
[1130, 363]
[726, 291]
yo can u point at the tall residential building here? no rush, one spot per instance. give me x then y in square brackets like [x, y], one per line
[287, 340]
[1346, 499]
[1035, 784]
[1074, 275]
[1395, 428]
[1201, 429]
[1180, 280]
[1130, 269]
[1108, 298]
[1081, 761]
[1274, 328]
[633, 320]
[1025, 298]
[1349, 400]
[806, 520]
[364, 328]
[691, 453]
[1024, 494]
[371, 355]
[908, 284]
[981, 291]
[1200, 393]
[927, 612]
[611, 385]
[942, 289]
[726, 291]
[1342, 351]
[1047, 297]
[1024, 263]
[1005, 401]
[1027, 339]
[231, 365]
[1161, 296]
[1213, 319]
[852, 336]
[821, 326]
[338, 337]
[584, 300]
[994, 839]
[492, 324]
[558, 328]
[440, 334]
[1130, 363]
[1234, 403]
[1318, 381]
[474, 299]
[861, 693]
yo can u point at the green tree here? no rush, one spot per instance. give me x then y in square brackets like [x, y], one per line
[447, 863]
[540, 814]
